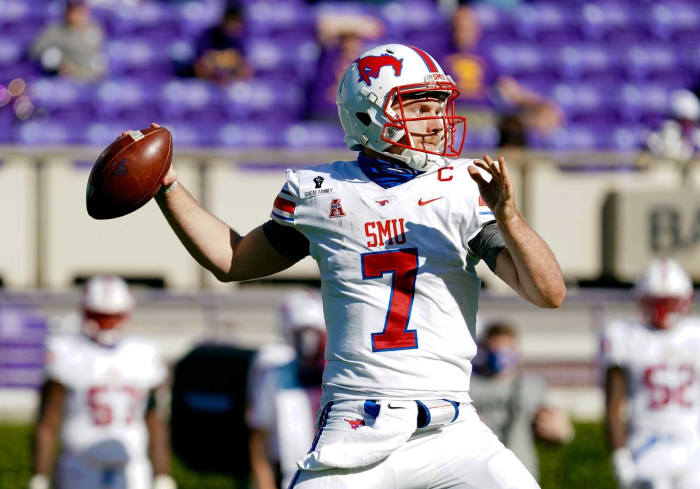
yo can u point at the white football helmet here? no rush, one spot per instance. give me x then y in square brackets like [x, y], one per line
[371, 97]
[107, 302]
[665, 292]
[303, 326]
[301, 309]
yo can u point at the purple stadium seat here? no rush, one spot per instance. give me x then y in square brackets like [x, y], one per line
[52, 132]
[138, 58]
[677, 20]
[25, 19]
[126, 98]
[191, 99]
[585, 102]
[263, 99]
[187, 133]
[22, 351]
[11, 51]
[283, 59]
[278, 18]
[63, 98]
[410, 20]
[147, 19]
[519, 58]
[627, 137]
[551, 22]
[647, 61]
[248, 135]
[643, 102]
[196, 15]
[498, 25]
[612, 21]
[589, 61]
[313, 134]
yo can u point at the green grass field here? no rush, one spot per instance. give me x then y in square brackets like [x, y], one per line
[583, 464]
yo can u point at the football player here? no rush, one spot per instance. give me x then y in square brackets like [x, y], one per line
[396, 234]
[285, 391]
[652, 367]
[99, 390]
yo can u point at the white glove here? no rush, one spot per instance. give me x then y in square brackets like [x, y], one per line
[625, 467]
[164, 481]
[39, 481]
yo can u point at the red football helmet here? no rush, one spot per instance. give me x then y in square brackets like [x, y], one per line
[107, 302]
[665, 293]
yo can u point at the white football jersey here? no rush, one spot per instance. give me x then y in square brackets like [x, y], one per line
[399, 287]
[663, 371]
[107, 391]
[282, 407]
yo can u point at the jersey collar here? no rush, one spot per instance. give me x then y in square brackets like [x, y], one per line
[386, 173]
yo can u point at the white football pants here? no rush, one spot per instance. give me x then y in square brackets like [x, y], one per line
[462, 455]
[666, 461]
[75, 474]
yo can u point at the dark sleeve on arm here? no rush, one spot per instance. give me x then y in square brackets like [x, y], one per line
[488, 244]
[151, 402]
[286, 240]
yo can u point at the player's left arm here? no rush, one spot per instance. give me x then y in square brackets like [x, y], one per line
[158, 445]
[527, 264]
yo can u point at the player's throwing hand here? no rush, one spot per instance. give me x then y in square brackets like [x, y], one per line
[170, 177]
[497, 192]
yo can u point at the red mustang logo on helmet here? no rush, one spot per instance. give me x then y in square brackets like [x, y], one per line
[369, 66]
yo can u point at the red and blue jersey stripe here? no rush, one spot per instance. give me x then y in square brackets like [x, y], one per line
[283, 207]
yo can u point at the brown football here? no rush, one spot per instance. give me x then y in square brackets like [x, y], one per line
[128, 173]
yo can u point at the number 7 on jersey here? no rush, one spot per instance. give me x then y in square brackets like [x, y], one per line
[403, 265]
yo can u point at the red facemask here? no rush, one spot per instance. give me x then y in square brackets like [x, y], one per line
[664, 312]
[453, 137]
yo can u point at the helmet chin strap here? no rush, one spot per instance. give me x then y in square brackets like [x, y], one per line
[417, 160]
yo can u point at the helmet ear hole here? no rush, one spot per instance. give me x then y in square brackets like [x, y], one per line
[364, 118]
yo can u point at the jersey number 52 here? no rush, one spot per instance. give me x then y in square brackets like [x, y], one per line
[403, 265]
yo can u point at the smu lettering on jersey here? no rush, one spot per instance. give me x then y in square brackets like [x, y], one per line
[399, 287]
[107, 391]
[663, 372]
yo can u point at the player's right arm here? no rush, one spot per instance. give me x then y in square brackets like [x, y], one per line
[229, 256]
[210, 241]
[50, 412]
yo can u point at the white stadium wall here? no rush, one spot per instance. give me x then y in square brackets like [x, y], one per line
[50, 240]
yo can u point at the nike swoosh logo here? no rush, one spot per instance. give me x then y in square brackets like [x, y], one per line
[422, 202]
[396, 407]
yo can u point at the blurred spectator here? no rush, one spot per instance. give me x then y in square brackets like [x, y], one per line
[483, 91]
[285, 392]
[72, 47]
[100, 390]
[511, 403]
[652, 366]
[220, 52]
[679, 137]
[343, 38]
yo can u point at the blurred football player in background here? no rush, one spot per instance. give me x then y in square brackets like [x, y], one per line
[396, 234]
[285, 392]
[72, 48]
[99, 390]
[512, 403]
[652, 369]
